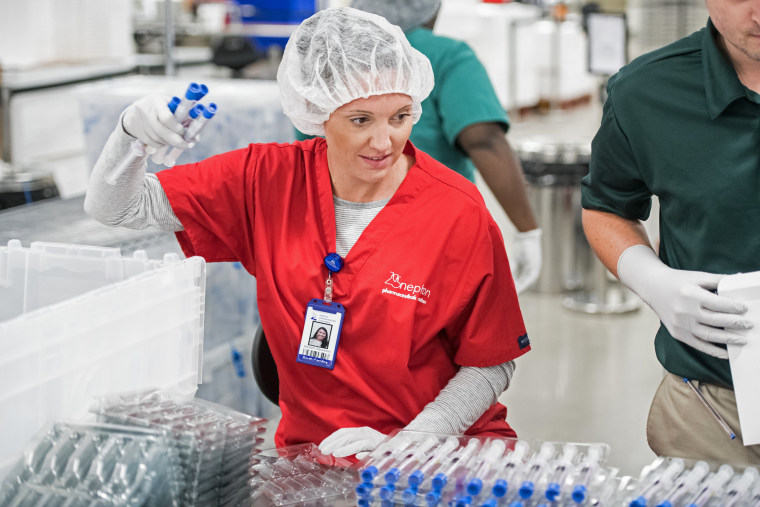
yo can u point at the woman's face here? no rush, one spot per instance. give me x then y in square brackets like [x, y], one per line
[321, 334]
[365, 140]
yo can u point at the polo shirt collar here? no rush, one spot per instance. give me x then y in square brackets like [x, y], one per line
[722, 85]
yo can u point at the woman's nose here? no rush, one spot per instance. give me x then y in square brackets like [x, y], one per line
[381, 139]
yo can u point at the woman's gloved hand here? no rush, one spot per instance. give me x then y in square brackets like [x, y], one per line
[525, 259]
[349, 441]
[684, 301]
[150, 120]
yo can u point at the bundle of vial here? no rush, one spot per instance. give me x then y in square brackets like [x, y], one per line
[674, 482]
[301, 475]
[214, 444]
[413, 468]
[104, 465]
[190, 113]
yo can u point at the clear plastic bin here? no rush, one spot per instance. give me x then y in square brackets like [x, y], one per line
[86, 322]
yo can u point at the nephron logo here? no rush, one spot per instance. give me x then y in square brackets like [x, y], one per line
[416, 290]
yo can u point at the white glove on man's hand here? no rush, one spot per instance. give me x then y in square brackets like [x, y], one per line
[150, 120]
[684, 302]
[526, 259]
[349, 441]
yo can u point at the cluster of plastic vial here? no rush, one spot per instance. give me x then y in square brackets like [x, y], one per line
[76, 465]
[425, 469]
[301, 475]
[215, 445]
[190, 113]
[671, 482]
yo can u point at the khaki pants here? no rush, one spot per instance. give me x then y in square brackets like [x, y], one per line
[679, 425]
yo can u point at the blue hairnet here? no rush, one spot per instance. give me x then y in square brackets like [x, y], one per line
[342, 54]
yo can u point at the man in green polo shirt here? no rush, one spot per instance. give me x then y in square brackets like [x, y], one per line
[683, 123]
[463, 123]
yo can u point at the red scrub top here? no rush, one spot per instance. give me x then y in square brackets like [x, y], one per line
[426, 288]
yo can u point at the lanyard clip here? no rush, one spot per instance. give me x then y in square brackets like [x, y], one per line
[334, 263]
[328, 288]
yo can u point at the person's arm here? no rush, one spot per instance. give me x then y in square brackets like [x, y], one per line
[490, 152]
[610, 235]
[127, 196]
[458, 406]
[685, 301]
[464, 399]
[488, 148]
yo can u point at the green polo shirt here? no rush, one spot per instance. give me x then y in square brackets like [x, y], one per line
[679, 124]
[462, 96]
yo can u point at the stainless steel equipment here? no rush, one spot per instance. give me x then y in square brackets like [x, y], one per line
[554, 169]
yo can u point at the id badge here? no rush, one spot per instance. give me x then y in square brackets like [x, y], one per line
[321, 333]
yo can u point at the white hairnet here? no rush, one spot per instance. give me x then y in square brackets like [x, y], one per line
[407, 14]
[341, 54]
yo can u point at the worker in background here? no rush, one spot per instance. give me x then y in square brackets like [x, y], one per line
[359, 233]
[463, 124]
[681, 123]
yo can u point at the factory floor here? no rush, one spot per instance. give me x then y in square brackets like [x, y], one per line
[589, 376]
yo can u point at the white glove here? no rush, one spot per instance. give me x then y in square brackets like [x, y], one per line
[151, 121]
[525, 259]
[348, 441]
[683, 301]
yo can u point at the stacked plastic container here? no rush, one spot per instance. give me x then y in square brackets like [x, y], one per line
[215, 444]
[300, 475]
[79, 322]
[76, 464]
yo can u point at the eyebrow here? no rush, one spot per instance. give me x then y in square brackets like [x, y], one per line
[361, 111]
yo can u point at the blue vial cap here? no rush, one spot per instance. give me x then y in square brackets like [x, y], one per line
[409, 495]
[579, 493]
[491, 502]
[527, 489]
[499, 488]
[369, 473]
[432, 498]
[363, 502]
[192, 91]
[516, 504]
[386, 492]
[392, 475]
[552, 491]
[386, 503]
[210, 111]
[439, 481]
[415, 478]
[639, 502]
[666, 503]
[202, 91]
[463, 501]
[173, 103]
[363, 490]
[196, 110]
[475, 486]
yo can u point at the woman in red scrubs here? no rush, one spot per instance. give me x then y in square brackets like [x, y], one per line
[358, 232]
